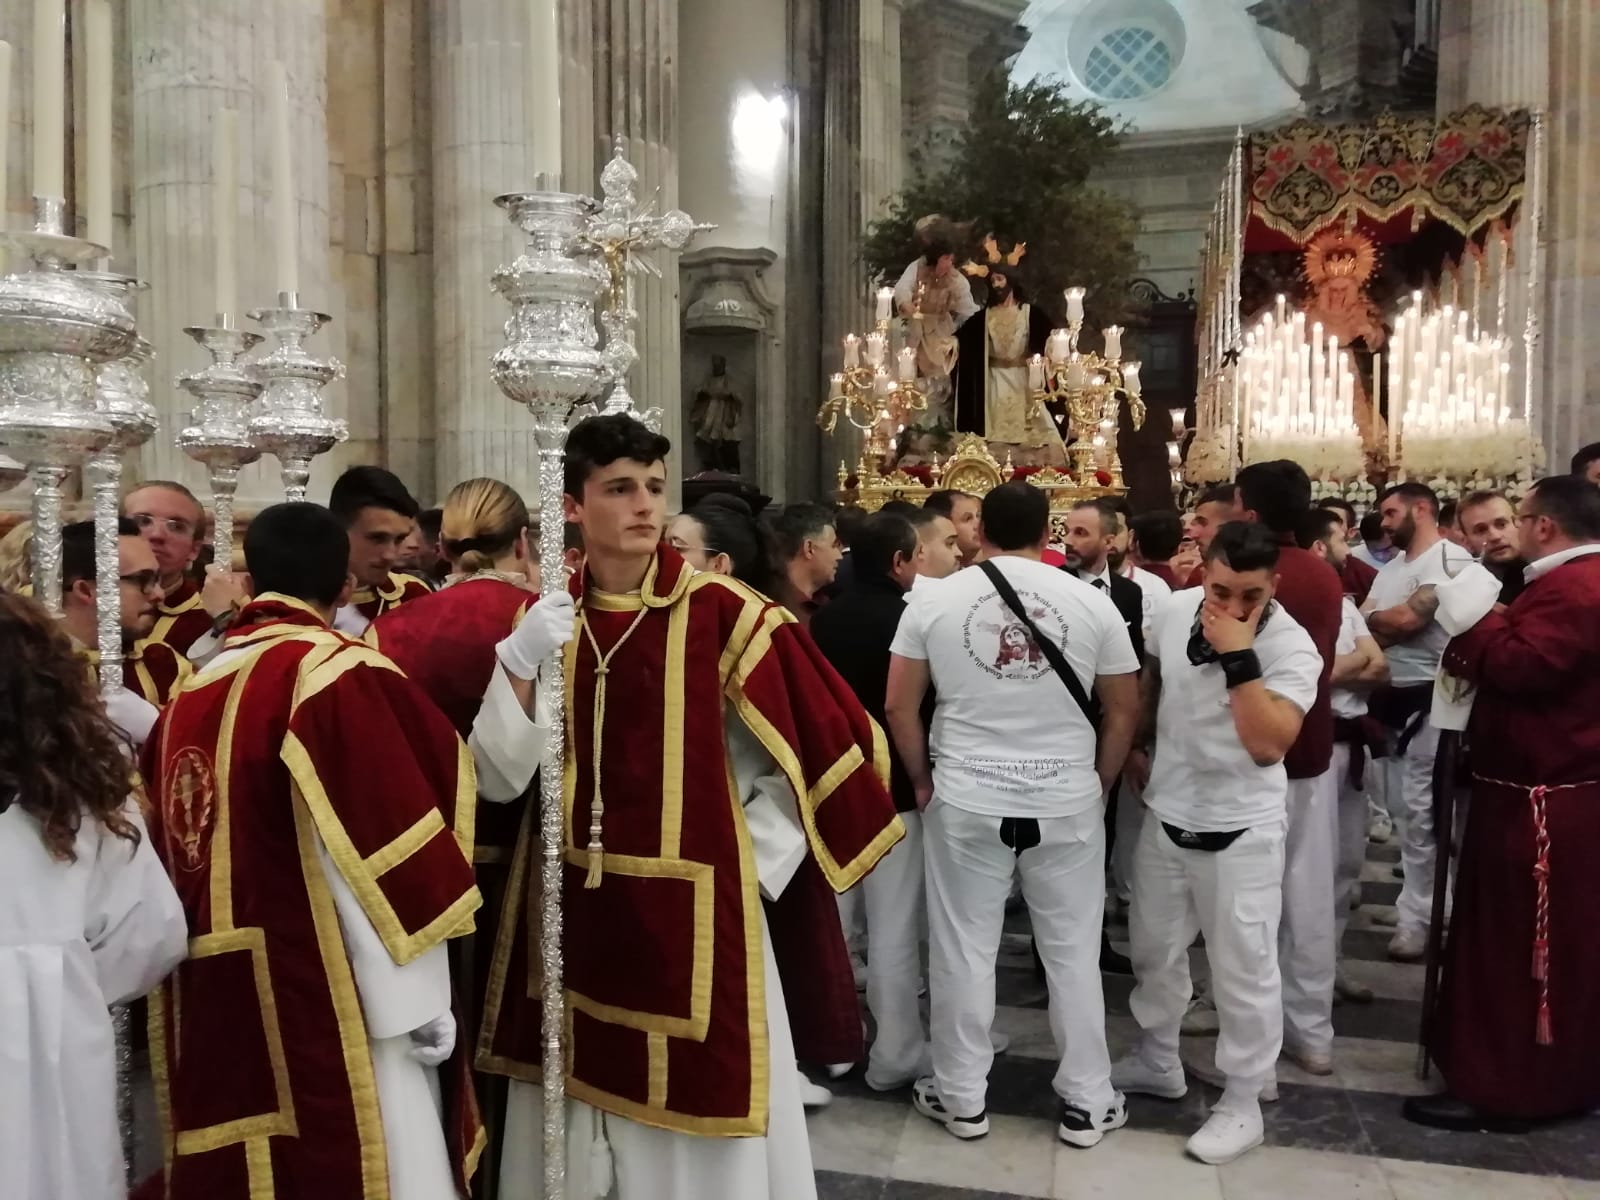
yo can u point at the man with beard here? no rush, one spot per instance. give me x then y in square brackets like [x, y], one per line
[1490, 528]
[1400, 611]
[1213, 509]
[992, 370]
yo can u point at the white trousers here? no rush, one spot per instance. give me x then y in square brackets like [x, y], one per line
[1130, 820]
[1307, 940]
[893, 896]
[969, 871]
[853, 917]
[1234, 897]
[1410, 786]
[1353, 809]
[613, 1158]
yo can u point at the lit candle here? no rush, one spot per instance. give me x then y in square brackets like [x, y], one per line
[1174, 454]
[908, 364]
[881, 383]
[544, 87]
[1036, 373]
[1280, 308]
[835, 387]
[49, 96]
[285, 225]
[224, 208]
[877, 349]
[97, 90]
[852, 352]
[1075, 297]
[1130, 377]
[885, 303]
[1178, 416]
[1076, 372]
[1113, 334]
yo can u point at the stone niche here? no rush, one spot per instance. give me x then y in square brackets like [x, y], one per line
[728, 313]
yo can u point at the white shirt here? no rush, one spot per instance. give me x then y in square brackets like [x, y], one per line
[1008, 740]
[1366, 556]
[1203, 778]
[1347, 702]
[1543, 566]
[1155, 590]
[1416, 660]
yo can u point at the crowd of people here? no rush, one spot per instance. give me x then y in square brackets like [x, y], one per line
[798, 747]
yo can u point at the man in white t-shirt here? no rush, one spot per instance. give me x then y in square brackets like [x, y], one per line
[1229, 677]
[1359, 666]
[1011, 778]
[1400, 612]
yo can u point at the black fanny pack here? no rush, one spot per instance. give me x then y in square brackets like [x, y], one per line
[1188, 839]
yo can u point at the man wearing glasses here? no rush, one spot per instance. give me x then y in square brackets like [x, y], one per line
[171, 520]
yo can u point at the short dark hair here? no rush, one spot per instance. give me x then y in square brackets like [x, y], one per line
[1244, 546]
[77, 549]
[429, 521]
[1414, 493]
[600, 441]
[936, 248]
[1346, 510]
[1585, 456]
[1315, 526]
[847, 518]
[1473, 499]
[920, 518]
[1372, 527]
[729, 527]
[1158, 534]
[879, 539]
[299, 550]
[795, 523]
[571, 535]
[1220, 493]
[1448, 513]
[1572, 502]
[1278, 492]
[1016, 515]
[370, 487]
[900, 508]
[943, 502]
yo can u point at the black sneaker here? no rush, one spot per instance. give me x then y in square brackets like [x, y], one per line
[925, 1097]
[1079, 1129]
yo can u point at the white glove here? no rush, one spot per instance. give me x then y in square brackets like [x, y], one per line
[435, 1041]
[546, 628]
[132, 714]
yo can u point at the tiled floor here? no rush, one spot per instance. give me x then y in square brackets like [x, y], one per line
[1338, 1138]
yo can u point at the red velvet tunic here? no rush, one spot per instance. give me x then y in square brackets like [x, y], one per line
[398, 589]
[182, 620]
[258, 1044]
[664, 977]
[1508, 1042]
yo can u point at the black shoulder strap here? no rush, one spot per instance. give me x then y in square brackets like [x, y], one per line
[1051, 651]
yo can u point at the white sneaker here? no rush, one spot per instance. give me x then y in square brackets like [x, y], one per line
[1232, 1130]
[1386, 918]
[1134, 1073]
[1078, 1128]
[1408, 945]
[1380, 827]
[890, 1083]
[1350, 989]
[813, 1095]
[1200, 1018]
[925, 1099]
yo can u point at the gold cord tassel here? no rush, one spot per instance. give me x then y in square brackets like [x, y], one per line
[597, 850]
[597, 805]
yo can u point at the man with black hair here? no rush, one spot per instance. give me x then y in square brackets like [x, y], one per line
[1277, 495]
[426, 562]
[679, 1063]
[807, 545]
[1400, 611]
[1012, 778]
[1491, 529]
[1375, 549]
[379, 515]
[1155, 537]
[1515, 1034]
[1229, 677]
[941, 543]
[1586, 463]
[1213, 508]
[961, 509]
[320, 885]
[854, 631]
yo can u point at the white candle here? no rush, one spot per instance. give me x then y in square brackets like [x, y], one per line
[1280, 308]
[224, 201]
[1113, 334]
[885, 303]
[1178, 416]
[881, 383]
[285, 226]
[877, 348]
[1036, 373]
[1075, 297]
[49, 96]
[544, 85]
[852, 352]
[5, 132]
[835, 387]
[1130, 377]
[908, 364]
[97, 89]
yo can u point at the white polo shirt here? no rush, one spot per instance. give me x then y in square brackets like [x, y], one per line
[1347, 702]
[1155, 590]
[1203, 779]
[1416, 660]
[1008, 740]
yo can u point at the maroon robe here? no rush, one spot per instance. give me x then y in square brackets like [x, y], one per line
[1310, 592]
[1510, 1043]
[1357, 578]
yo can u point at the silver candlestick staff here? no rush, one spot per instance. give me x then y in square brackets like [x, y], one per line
[551, 366]
[621, 231]
[289, 422]
[220, 435]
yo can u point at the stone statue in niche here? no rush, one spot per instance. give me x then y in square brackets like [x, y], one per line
[717, 416]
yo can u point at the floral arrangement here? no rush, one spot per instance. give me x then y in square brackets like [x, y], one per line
[1336, 457]
[1508, 450]
[1207, 462]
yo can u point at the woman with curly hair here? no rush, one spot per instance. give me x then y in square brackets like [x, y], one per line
[87, 916]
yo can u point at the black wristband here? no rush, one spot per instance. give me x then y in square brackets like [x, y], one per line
[1239, 666]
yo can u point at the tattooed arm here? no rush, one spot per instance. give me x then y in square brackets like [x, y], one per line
[1390, 626]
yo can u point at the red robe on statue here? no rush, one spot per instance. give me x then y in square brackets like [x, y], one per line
[304, 744]
[667, 1017]
[1517, 1034]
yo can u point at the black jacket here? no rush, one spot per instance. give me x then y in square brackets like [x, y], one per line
[854, 631]
[1128, 596]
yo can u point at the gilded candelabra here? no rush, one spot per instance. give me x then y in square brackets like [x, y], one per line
[877, 402]
[1092, 388]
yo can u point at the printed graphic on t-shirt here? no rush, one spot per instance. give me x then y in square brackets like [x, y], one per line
[1000, 644]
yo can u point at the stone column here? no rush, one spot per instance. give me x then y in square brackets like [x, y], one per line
[481, 148]
[191, 59]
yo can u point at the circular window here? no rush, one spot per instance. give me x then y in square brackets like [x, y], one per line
[1128, 63]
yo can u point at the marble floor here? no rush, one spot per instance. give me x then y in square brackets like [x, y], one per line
[1335, 1138]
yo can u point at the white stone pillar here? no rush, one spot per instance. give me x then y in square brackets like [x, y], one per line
[189, 61]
